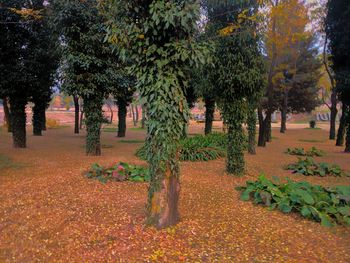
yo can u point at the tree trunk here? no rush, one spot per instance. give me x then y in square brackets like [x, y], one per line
[122, 111]
[342, 127]
[164, 192]
[251, 123]
[261, 138]
[133, 115]
[94, 118]
[334, 112]
[284, 112]
[137, 114]
[43, 117]
[76, 113]
[347, 143]
[18, 117]
[209, 115]
[37, 118]
[268, 127]
[235, 163]
[7, 114]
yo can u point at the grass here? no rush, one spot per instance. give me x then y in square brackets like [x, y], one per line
[131, 141]
[137, 129]
[310, 140]
[7, 163]
[109, 129]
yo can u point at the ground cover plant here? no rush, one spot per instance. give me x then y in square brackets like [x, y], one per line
[330, 206]
[309, 167]
[197, 148]
[119, 172]
[302, 152]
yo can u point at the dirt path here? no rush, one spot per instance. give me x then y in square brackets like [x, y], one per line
[50, 212]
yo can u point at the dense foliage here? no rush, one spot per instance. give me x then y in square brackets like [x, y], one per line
[119, 172]
[302, 152]
[197, 148]
[309, 167]
[326, 205]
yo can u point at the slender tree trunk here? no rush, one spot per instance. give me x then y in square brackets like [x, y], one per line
[37, 118]
[137, 114]
[334, 112]
[133, 115]
[7, 114]
[122, 111]
[209, 115]
[76, 113]
[18, 117]
[261, 138]
[347, 142]
[342, 127]
[284, 112]
[268, 127]
[94, 118]
[251, 123]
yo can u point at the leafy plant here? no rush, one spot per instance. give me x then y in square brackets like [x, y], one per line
[198, 148]
[326, 205]
[309, 167]
[119, 172]
[301, 152]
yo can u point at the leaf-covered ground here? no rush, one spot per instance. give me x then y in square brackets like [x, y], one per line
[50, 212]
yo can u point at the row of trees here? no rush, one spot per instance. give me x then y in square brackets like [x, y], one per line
[171, 52]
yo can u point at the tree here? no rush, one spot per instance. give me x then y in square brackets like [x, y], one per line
[18, 54]
[238, 70]
[337, 30]
[88, 64]
[157, 37]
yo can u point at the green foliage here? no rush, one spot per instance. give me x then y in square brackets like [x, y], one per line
[301, 152]
[309, 167]
[197, 148]
[330, 206]
[119, 172]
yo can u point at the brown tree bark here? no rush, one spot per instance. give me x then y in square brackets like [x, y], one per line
[209, 115]
[76, 113]
[7, 114]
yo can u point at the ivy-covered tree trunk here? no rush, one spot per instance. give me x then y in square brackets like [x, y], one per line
[37, 118]
[7, 114]
[122, 111]
[165, 127]
[209, 115]
[342, 127]
[18, 117]
[234, 115]
[251, 125]
[93, 121]
[76, 113]
[334, 112]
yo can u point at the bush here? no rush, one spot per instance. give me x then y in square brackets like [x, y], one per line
[119, 172]
[52, 123]
[197, 148]
[312, 124]
[326, 205]
[301, 152]
[309, 167]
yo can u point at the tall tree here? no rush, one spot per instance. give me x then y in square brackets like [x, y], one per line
[88, 65]
[157, 37]
[238, 69]
[337, 29]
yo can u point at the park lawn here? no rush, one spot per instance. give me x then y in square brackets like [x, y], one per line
[50, 212]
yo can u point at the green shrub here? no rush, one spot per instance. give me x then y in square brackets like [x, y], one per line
[309, 167]
[326, 205]
[301, 152]
[119, 172]
[198, 148]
